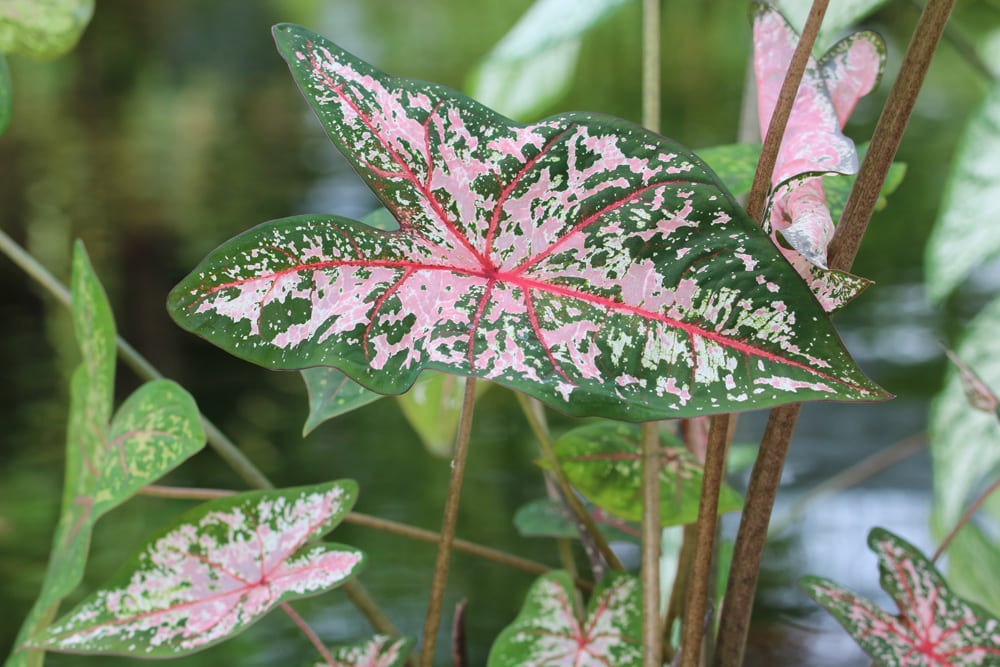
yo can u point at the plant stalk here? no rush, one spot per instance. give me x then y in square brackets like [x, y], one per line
[966, 518]
[309, 633]
[652, 636]
[679, 590]
[448, 522]
[651, 64]
[582, 517]
[699, 586]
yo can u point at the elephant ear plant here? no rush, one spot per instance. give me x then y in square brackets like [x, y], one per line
[582, 260]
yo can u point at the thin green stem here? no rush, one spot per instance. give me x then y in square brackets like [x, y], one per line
[309, 633]
[589, 533]
[448, 522]
[966, 518]
[652, 637]
[651, 64]
[699, 586]
[678, 592]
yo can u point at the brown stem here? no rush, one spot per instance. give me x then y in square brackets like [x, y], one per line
[448, 522]
[701, 566]
[783, 110]
[679, 591]
[888, 134]
[309, 633]
[590, 535]
[752, 534]
[966, 518]
[651, 64]
[652, 637]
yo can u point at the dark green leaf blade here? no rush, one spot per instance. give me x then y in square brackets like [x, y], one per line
[331, 393]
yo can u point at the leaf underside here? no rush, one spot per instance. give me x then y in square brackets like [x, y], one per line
[547, 634]
[934, 627]
[213, 572]
[582, 260]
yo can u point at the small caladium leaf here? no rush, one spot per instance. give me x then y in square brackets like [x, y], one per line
[604, 461]
[42, 29]
[545, 517]
[934, 627]
[582, 260]
[977, 392]
[331, 393]
[813, 142]
[433, 407]
[547, 634]
[532, 65]
[214, 571]
[6, 96]
[379, 651]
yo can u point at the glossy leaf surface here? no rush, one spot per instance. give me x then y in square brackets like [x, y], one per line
[547, 634]
[213, 572]
[934, 627]
[533, 64]
[42, 29]
[331, 393]
[963, 236]
[379, 651]
[582, 260]
[603, 461]
[550, 518]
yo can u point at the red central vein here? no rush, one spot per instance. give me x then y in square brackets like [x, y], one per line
[406, 173]
[592, 218]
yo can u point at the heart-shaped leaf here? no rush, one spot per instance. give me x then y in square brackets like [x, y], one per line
[547, 634]
[379, 651]
[934, 627]
[213, 572]
[813, 142]
[331, 393]
[550, 518]
[604, 461]
[42, 29]
[533, 65]
[582, 260]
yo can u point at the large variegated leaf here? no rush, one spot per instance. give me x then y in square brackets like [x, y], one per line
[533, 65]
[42, 28]
[604, 461]
[213, 572]
[933, 628]
[963, 235]
[547, 633]
[583, 260]
[379, 651]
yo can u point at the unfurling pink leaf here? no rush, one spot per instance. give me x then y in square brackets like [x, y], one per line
[379, 651]
[583, 260]
[813, 142]
[934, 627]
[213, 572]
[547, 633]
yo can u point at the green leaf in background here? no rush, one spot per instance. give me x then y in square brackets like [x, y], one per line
[533, 64]
[840, 16]
[42, 29]
[379, 651]
[213, 572]
[107, 461]
[603, 460]
[545, 517]
[973, 564]
[735, 164]
[933, 627]
[6, 95]
[966, 231]
[433, 407]
[547, 634]
[331, 393]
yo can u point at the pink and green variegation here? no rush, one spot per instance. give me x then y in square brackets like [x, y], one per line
[583, 260]
[379, 651]
[214, 571]
[547, 632]
[934, 627]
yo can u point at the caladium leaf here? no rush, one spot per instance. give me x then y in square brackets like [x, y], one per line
[582, 260]
[42, 29]
[379, 651]
[214, 571]
[331, 393]
[977, 393]
[547, 633]
[934, 627]
[550, 518]
[533, 65]
[813, 142]
[960, 241]
[604, 461]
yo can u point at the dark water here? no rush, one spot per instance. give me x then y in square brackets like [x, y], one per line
[175, 126]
